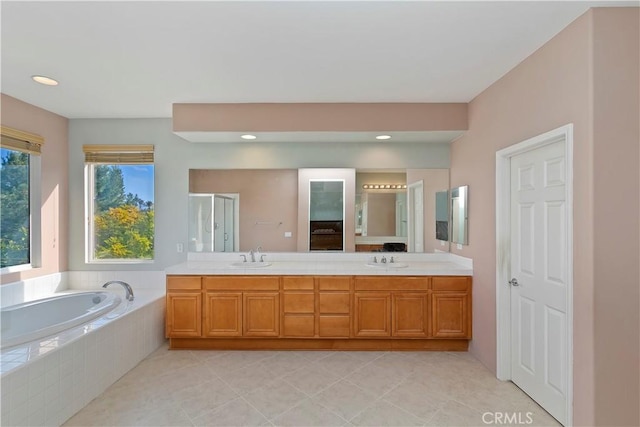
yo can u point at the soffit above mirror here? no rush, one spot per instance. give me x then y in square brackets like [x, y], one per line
[323, 122]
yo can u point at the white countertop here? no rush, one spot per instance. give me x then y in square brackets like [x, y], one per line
[440, 264]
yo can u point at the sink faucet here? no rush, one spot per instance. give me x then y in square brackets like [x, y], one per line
[125, 285]
[375, 260]
[383, 260]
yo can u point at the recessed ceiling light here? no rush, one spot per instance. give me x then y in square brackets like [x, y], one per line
[45, 80]
[248, 136]
[383, 137]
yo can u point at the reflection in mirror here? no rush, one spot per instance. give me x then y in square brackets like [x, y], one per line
[269, 213]
[442, 215]
[459, 215]
[381, 210]
[326, 215]
[213, 222]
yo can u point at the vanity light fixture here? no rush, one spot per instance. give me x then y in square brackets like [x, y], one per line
[382, 137]
[44, 80]
[383, 186]
[247, 136]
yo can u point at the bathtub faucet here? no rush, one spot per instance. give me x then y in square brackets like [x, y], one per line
[125, 285]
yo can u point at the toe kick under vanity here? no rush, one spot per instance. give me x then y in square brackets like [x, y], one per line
[320, 301]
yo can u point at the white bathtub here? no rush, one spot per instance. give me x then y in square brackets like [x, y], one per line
[38, 319]
[46, 380]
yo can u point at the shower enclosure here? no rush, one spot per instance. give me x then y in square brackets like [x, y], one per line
[213, 222]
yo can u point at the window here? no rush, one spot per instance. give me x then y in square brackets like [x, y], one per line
[119, 203]
[19, 223]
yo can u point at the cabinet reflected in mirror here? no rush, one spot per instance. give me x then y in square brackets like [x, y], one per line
[326, 215]
[459, 215]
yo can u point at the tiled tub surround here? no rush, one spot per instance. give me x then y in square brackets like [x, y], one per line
[46, 382]
[328, 263]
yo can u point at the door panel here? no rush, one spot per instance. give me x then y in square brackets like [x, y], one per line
[184, 314]
[372, 314]
[409, 315]
[223, 314]
[539, 264]
[261, 314]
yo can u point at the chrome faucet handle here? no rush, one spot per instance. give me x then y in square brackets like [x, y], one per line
[262, 257]
[391, 260]
[375, 260]
[253, 255]
[244, 257]
[125, 285]
[383, 260]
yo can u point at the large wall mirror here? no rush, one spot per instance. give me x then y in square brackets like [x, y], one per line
[280, 214]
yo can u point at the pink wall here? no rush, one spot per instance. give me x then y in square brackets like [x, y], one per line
[320, 117]
[616, 136]
[266, 196]
[54, 182]
[559, 84]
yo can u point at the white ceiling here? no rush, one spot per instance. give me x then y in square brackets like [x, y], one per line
[134, 59]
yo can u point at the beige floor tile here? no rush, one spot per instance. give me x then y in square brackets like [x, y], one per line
[374, 379]
[235, 413]
[234, 360]
[303, 388]
[311, 380]
[309, 413]
[275, 398]
[341, 363]
[345, 399]
[383, 413]
[249, 378]
[416, 399]
[201, 398]
[456, 414]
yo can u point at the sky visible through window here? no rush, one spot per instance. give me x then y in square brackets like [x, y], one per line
[138, 179]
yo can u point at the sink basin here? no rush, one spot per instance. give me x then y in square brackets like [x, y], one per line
[386, 265]
[248, 264]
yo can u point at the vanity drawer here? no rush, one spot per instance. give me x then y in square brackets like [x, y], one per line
[335, 302]
[241, 283]
[334, 326]
[391, 283]
[451, 283]
[298, 302]
[297, 282]
[180, 283]
[334, 283]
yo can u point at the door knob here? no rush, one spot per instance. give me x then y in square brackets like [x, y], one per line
[514, 282]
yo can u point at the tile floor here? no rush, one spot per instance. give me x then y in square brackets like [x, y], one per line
[309, 388]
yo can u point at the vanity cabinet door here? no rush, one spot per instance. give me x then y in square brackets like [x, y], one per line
[409, 314]
[184, 307]
[184, 314]
[261, 314]
[451, 307]
[223, 314]
[372, 314]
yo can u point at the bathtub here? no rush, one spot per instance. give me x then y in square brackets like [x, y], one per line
[48, 378]
[33, 320]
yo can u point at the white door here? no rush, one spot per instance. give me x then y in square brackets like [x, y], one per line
[416, 217]
[539, 269]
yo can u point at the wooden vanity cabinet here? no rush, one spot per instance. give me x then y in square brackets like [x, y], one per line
[247, 306]
[298, 307]
[319, 312]
[184, 307]
[334, 306]
[451, 307]
[391, 306]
